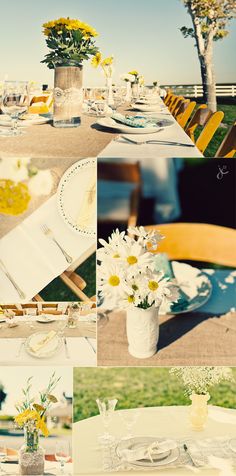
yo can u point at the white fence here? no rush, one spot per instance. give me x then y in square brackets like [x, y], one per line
[196, 90]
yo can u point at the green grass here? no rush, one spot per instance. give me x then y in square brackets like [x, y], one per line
[58, 291]
[137, 387]
[229, 118]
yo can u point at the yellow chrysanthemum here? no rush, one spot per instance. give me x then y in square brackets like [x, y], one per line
[108, 61]
[69, 24]
[95, 62]
[41, 425]
[134, 73]
[14, 197]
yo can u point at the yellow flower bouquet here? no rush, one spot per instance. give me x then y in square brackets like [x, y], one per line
[70, 42]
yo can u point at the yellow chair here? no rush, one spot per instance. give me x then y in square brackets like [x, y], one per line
[209, 130]
[172, 101]
[200, 118]
[198, 242]
[168, 96]
[184, 112]
[177, 105]
[228, 146]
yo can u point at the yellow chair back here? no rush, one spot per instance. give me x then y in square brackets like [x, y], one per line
[200, 118]
[184, 112]
[209, 130]
[228, 146]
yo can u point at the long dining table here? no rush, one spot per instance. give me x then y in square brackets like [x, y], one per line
[168, 422]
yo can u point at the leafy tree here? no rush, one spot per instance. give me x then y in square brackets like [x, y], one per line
[210, 19]
[3, 395]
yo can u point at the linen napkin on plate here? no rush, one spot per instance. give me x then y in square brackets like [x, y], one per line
[147, 451]
[163, 264]
[44, 341]
[87, 211]
[133, 121]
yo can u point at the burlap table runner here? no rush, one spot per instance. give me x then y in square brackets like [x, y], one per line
[188, 339]
[25, 329]
[46, 141]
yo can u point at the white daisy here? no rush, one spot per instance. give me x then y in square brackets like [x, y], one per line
[152, 237]
[111, 280]
[160, 289]
[135, 256]
[111, 247]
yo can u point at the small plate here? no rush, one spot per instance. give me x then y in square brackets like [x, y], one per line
[109, 123]
[50, 349]
[37, 120]
[147, 107]
[45, 319]
[186, 276]
[162, 459]
[71, 193]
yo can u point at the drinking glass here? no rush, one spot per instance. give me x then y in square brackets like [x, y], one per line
[3, 455]
[129, 418]
[62, 454]
[100, 107]
[15, 103]
[106, 408]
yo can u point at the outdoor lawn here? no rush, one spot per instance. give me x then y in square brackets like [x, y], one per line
[137, 387]
[57, 291]
[229, 119]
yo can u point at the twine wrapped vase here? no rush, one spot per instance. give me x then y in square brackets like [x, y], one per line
[142, 326]
[135, 90]
[68, 96]
[31, 454]
[198, 412]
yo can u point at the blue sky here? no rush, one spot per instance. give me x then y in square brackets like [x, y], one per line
[141, 34]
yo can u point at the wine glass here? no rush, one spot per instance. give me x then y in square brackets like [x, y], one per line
[129, 418]
[3, 455]
[62, 454]
[15, 103]
[106, 408]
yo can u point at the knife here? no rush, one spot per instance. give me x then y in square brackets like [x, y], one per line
[190, 456]
[66, 348]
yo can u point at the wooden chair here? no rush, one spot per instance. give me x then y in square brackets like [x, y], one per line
[177, 105]
[184, 112]
[174, 103]
[198, 242]
[209, 130]
[124, 173]
[228, 146]
[200, 118]
[168, 96]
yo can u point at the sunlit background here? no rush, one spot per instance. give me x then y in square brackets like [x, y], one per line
[141, 35]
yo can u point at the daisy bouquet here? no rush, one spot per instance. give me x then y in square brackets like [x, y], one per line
[127, 274]
[199, 380]
[132, 77]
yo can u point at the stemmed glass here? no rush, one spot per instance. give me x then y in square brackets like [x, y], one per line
[106, 408]
[3, 455]
[14, 103]
[129, 418]
[62, 454]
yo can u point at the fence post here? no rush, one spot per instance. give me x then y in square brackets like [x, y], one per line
[195, 91]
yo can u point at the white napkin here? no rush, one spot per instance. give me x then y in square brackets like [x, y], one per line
[147, 451]
[88, 318]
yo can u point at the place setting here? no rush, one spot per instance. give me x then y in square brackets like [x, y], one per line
[65, 336]
[193, 435]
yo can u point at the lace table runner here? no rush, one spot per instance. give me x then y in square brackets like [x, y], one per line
[203, 453]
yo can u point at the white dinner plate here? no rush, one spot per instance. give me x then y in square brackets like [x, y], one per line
[147, 108]
[50, 349]
[71, 194]
[136, 443]
[45, 318]
[109, 123]
[34, 121]
[194, 283]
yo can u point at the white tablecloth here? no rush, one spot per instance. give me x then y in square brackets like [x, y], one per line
[33, 259]
[171, 422]
[159, 176]
[81, 352]
[51, 468]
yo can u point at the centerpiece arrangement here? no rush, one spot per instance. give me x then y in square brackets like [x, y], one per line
[107, 68]
[197, 382]
[32, 418]
[127, 278]
[133, 80]
[71, 42]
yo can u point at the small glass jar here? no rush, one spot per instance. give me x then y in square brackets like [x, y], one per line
[73, 315]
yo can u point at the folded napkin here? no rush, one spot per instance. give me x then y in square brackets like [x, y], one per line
[43, 342]
[147, 451]
[163, 264]
[133, 121]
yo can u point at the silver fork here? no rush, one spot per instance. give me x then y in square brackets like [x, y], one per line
[17, 288]
[155, 141]
[66, 348]
[20, 348]
[49, 233]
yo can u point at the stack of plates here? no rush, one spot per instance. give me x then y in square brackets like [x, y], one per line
[161, 459]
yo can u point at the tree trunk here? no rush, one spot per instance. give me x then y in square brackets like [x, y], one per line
[211, 87]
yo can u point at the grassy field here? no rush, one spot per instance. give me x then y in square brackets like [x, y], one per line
[57, 291]
[137, 387]
[229, 111]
